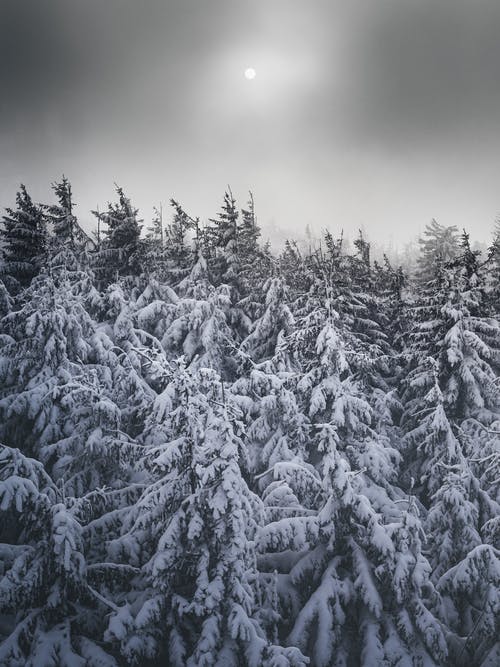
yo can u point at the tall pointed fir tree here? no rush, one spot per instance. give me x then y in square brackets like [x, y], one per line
[24, 240]
[193, 531]
[260, 344]
[451, 402]
[68, 240]
[200, 328]
[50, 612]
[120, 250]
[438, 244]
[256, 262]
[339, 594]
[224, 232]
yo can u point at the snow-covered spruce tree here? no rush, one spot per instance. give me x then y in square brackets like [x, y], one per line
[228, 262]
[224, 235]
[451, 329]
[51, 616]
[390, 288]
[430, 444]
[275, 437]
[356, 592]
[200, 328]
[471, 606]
[294, 270]
[451, 402]
[452, 522]
[133, 357]
[260, 344]
[434, 458]
[255, 262]
[24, 237]
[60, 379]
[178, 248]
[166, 249]
[349, 590]
[119, 251]
[66, 233]
[331, 394]
[155, 309]
[153, 247]
[346, 283]
[64, 222]
[46, 341]
[369, 319]
[491, 271]
[438, 244]
[193, 529]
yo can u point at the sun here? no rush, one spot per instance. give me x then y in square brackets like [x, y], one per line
[250, 73]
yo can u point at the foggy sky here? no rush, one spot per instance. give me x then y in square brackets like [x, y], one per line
[379, 115]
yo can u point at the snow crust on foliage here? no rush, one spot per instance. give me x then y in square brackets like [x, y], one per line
[211, 455]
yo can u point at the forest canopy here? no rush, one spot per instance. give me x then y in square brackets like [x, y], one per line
[217, 453]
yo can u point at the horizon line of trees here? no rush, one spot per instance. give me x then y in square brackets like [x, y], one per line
[213, 454]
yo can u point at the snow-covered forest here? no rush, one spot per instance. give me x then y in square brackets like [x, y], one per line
[217, 454]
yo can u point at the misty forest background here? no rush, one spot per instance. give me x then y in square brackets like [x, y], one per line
[218, 454]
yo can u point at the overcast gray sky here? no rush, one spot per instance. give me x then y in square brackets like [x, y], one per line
[376, 114]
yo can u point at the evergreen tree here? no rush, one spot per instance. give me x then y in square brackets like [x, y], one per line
[471, 606]
[492, 271]
[360, 588]
[24, 239]
[276, 319]
[438, 245]
[200, 328]
[44, 592]
[224, 232]
[198, 519]
[119, 252]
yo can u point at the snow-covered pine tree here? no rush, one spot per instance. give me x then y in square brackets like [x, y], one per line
[359, 592]
[438, 244]
[225, 238]
[275, 437]
[193, 529]
[177, 243]
[255, 262]
[470, 594]
[294, 270]
[260, 344]
[465, 345]
[24, 239]
[51, 616]
[133, 357]
[435, 458]
[390, 288]
[119, 252]
[61, 377]
[166, 248]
[45, 342]
[154, 246]
[451, 402]
[153, 312]
[200, 328]
[336, 580]
[347, 284]
[492, 273]
[65, 228]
